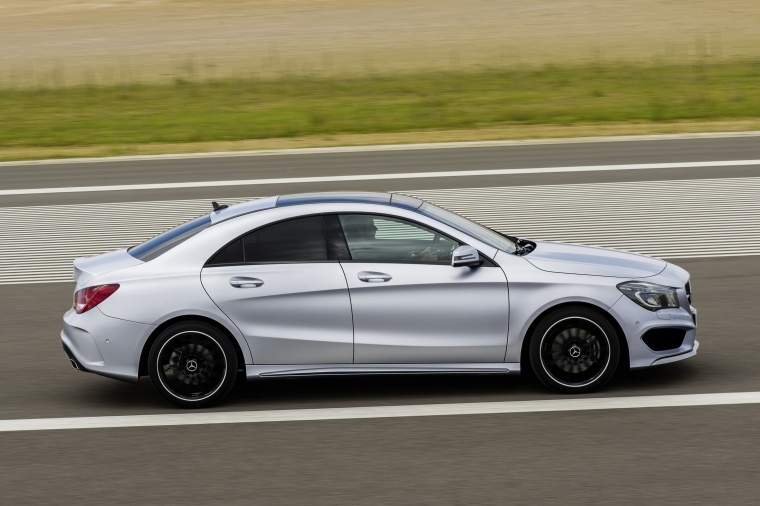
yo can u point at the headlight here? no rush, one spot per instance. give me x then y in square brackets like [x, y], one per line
[649, 295]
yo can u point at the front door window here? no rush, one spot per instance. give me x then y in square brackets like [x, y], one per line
[373, 238]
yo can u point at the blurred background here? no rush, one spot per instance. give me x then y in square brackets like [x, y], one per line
[88, 77]
[66, 42]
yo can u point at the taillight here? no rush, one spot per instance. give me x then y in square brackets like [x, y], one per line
[87, 298]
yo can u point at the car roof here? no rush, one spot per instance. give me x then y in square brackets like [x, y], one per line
[388, 199]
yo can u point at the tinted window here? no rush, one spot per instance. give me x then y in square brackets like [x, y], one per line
[374, 238]
[299, 240]
[162, 243]
[230, 254]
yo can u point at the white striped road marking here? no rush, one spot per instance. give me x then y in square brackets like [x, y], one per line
[385, 147]
[373, 412]
[380, 177]
[671, 219]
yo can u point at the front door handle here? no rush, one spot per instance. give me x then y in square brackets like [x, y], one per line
[244, 282]
[374, 277]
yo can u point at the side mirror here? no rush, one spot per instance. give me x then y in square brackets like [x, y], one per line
[465, 256]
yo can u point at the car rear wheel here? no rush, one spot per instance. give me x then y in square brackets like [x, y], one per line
[574, 350]
[192, 365]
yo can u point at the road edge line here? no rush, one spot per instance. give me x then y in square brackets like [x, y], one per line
[378, 412]
[384, 147]
[378, 177]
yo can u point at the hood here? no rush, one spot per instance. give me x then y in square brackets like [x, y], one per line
[86, 268]
[576, 259]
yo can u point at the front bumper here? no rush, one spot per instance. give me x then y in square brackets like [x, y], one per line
[676, 358]
[103, 345]
[639, 325]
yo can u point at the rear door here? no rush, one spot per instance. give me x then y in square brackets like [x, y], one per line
[285, 290]
[411, 306]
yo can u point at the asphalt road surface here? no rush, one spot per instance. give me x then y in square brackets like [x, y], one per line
[672, 455]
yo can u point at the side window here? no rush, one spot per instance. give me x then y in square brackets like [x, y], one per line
[373, 238]
[297, 240]
[229, 255]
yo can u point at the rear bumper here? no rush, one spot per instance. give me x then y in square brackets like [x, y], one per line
[73, 359]
[107, 346]
[78, 362]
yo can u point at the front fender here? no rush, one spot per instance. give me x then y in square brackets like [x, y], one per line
[533, 292]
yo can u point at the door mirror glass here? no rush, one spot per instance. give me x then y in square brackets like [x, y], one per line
[465, 256]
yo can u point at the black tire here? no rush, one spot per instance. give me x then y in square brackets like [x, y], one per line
[574, 350]
[192, 365]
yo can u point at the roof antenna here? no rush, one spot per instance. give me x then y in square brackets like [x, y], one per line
[218, 207]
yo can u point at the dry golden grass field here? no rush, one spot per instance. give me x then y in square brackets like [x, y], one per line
[101, 77]
[65, 42]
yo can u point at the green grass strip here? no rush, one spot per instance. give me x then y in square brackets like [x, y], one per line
[236, 109]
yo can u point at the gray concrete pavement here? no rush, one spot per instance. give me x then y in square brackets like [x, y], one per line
[650, 456]
[381, 162]
[658, 456]
[379, 185]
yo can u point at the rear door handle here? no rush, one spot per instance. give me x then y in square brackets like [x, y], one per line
[244, 282]
[374, 277]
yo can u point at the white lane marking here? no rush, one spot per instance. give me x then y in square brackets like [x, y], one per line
[695, 218]
[386, 147]
[374, 412]
[379, 177]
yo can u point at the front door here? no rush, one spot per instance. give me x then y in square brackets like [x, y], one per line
[411, 306]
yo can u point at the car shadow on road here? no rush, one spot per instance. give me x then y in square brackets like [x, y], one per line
[395, 389]
[412, 389]
[658, 380]
[344, 391]
[118, 395]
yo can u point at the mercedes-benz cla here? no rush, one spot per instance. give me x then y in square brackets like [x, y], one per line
[367, 283]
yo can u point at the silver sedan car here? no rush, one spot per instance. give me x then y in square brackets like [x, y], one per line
[367, 283]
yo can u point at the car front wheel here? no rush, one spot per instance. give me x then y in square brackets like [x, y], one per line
[574, 350]
[192, 365]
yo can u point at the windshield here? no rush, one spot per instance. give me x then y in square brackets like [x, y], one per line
[162, 243]
[470, 228]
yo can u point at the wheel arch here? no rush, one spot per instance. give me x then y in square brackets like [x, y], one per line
[623, 341]
[143, 366]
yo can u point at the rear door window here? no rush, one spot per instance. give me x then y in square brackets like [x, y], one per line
[296, 240]
[299, 240]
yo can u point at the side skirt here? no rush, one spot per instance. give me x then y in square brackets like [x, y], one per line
[254, 372]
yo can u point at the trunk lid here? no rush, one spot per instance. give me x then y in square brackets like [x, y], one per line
[86, 268]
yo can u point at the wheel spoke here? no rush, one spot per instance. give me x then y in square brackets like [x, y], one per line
[193, 367]
[575, 351]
